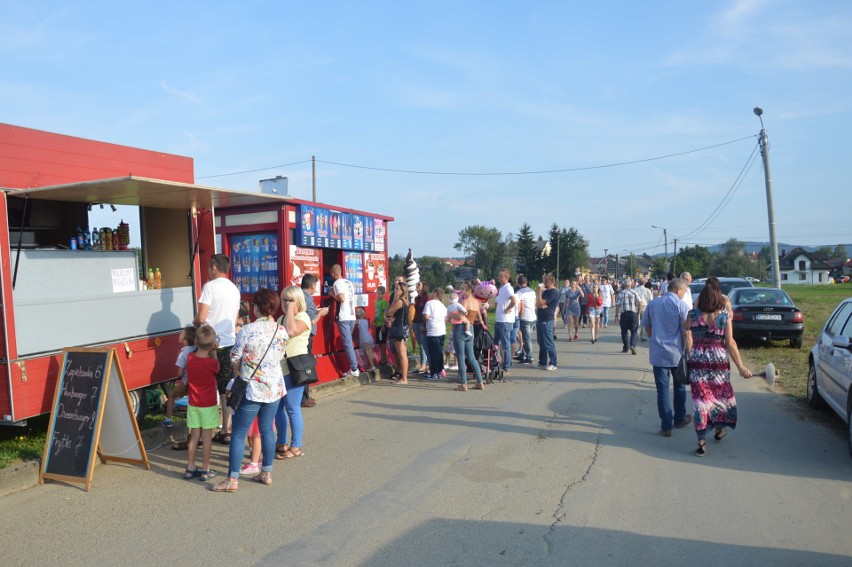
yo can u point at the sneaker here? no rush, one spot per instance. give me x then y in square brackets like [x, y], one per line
[684, 422]
[250, 468]
[666, 432]
[542, 366]
[550, 367]
[633, 350]
[453, 367]
[432, 377]
[167, 423]
[526, 361]
[355, 373]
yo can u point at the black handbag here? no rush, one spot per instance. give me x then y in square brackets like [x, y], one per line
[303, 369]
[681, 372]
[239, 387]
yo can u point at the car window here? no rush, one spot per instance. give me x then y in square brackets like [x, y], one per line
[696, 287]
[728, 286]
[839, 322]
[758, 296]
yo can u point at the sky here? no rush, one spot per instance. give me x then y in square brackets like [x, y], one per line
[609, 117]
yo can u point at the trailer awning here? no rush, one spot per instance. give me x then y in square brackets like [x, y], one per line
[143, 192]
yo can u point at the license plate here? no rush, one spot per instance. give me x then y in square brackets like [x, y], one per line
[767, 317]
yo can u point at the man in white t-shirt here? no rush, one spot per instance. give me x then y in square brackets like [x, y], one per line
[687, 297]
[526, 309]
[504, 318]
[219, 307]
[344, 292]
[435, 316]
[608, 298]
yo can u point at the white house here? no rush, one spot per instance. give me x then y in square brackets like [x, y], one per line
[798, 266]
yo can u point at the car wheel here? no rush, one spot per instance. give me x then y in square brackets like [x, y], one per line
[814, 397]
[796, 343]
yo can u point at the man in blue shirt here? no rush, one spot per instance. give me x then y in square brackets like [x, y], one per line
[663, 322]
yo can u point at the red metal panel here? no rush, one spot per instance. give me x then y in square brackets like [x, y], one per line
[143, 362]
[34, 158]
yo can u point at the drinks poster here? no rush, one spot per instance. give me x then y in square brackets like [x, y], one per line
[379, 234]
[355, 270]
[303, 261]
[323, 228]
[254, 262]
[335, 234]
[375, 272]
[308, 226]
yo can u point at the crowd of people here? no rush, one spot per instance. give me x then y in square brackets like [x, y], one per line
[236, 369]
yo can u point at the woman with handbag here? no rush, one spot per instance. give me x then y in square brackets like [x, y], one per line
[297, 323]
[258, 387]
[397, 315]
[710, 342]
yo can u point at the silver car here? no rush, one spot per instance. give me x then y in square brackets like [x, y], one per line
[830, 366]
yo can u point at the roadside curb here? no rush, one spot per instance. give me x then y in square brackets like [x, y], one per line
[22, 476]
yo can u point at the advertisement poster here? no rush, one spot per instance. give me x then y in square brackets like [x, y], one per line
[321, 228]
[358, 232]
[303, 261]
[369, 244]
[254, 262]
[375, 272]
[308, 226]
[379, 234]
[355, 270]
[346, 230]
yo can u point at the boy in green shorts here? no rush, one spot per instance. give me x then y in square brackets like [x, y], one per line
[202, 413]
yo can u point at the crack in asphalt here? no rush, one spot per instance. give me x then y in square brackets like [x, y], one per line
[560, 513]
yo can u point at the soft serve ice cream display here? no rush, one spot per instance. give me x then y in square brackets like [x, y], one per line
[412, 275]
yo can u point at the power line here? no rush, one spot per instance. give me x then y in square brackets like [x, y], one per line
[253, 170]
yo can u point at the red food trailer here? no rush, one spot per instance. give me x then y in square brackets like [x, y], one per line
[53, 297]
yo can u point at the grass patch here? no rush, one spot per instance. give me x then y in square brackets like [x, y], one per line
[816, 302]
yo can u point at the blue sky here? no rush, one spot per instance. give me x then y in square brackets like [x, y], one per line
[468, 87]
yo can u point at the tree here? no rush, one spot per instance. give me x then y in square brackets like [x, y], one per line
[485, 246]
[732, 260]
[827, 251]
[695, 260]
[526, 252]
[840, 252]
[572, 252]
[659, 268]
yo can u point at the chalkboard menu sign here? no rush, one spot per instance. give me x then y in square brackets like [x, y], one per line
[82, 402]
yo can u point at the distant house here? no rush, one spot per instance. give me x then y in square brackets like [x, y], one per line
[798, 266]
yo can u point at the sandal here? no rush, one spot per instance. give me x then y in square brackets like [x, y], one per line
[279, 449]
[263, 478]
[290, 453]
[479, 386]
[720, 434]
[180, 445]
[189, 475]
[204, 476]
[702, 449]
[461, 388]
[227, 485]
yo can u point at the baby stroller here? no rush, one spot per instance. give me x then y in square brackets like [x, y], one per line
[487, 354]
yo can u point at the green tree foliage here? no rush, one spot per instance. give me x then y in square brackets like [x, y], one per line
[732, 261]
[695, 260]
[486, 247]
[526, 251]
[840, 252]
[659, 268]
[435, 272]
[828, 251]
[572, 252]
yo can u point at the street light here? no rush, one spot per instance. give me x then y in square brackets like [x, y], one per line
[773, 242]
[665, 242]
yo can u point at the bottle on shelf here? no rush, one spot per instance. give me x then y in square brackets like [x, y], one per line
[96, 240]
[158, 279]
[87, 239]
[81, 242]
[107, 238]
[150, 281]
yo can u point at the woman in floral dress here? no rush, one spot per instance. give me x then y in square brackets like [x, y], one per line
[710, 342]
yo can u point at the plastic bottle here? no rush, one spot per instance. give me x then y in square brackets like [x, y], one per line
[150, 278]
[101, 239]
[107, 238]
[96, 240]
[81, 242]
[158, 279]
[87, 239]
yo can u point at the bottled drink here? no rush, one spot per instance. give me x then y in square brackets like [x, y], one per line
[96, 240]
[81, 242]
[158, 279]
[150, 278]
[87, 240]
[101, 239]
[107, 238]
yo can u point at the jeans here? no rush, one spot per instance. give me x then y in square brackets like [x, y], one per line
[290, 409]
[516, 326]
[463, 343]
[420, 335]
[503, 339]
[604, 315]
[546, 346]
[240, 424]
[345, 328]
[629, 323]
[436, 354]
[664, 404]
[527, 328]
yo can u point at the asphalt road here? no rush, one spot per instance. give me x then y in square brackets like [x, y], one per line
[549, 468]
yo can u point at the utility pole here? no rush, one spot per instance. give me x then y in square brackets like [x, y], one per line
[314, 177]
[616, 267]
[606, 261]
[557, 256]
[674, 258]
[773, 242]
[665, 242]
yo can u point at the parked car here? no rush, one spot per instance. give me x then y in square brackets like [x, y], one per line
[830, 366]
[766, 313]
[727, 284]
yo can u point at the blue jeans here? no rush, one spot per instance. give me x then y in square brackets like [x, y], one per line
[527, 328]
[420, 335]
[604, 315]
[546, 346]
[290, 409]
[516, 326]
[664, 404]
[503, 339]
[345, 328]
[240, 424]
[463, 343]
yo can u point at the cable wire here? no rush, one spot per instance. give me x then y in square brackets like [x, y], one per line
[253, 170]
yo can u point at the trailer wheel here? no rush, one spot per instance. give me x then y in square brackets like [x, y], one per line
[139, 403]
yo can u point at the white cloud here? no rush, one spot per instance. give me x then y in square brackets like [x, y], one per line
[188, 96]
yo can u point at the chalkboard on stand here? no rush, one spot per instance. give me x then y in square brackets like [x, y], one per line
[91, 412]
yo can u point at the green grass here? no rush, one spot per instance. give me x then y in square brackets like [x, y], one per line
[816, 302]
